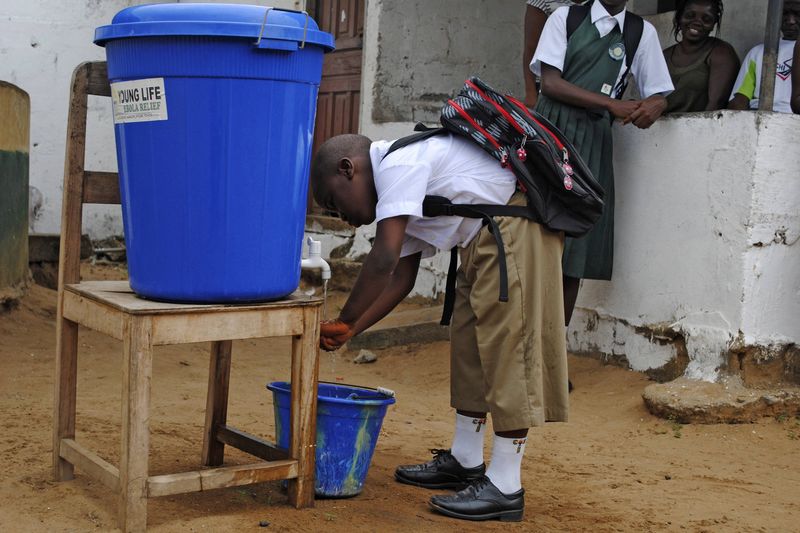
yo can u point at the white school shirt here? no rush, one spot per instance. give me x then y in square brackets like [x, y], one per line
[748, 82]
[443, 165]
[649, 68]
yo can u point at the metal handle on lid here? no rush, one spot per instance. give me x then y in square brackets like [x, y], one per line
[264, 24]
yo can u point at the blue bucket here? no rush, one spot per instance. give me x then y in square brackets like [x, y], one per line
[349, 421]
[214, 108]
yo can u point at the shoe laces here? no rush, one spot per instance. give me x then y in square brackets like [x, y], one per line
[478, 484]
[439, 455]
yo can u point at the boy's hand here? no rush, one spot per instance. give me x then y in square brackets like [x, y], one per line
[333, 334]
[648, 112]
[623, 108]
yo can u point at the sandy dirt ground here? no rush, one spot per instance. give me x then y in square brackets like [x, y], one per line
[613, 467]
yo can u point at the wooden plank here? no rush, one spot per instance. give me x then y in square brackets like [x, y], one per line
[93, 315]
[69, 271]
[234, 476]
[219, 376]
[218, 478]
[345, 63]
[71, 208]
[226, 324]
[250, 444]
[303, 414]
[137, 370]
[339, 84]
[118, 294]
[168, 484]
[349, 43]
[101, 188]
[91, 463]
[64, 395]
[98, 79]
[342, 113]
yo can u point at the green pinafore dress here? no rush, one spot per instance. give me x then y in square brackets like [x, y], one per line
[591, 65]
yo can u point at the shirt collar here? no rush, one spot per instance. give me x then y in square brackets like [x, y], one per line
[599, 12]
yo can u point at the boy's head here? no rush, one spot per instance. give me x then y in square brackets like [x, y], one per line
[341, 178]
[790, 26]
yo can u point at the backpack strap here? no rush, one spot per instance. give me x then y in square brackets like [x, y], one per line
[631, 36]
[576, 15]
[422, 132]
[436, 206]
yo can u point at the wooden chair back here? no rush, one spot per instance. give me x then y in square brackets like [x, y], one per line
[81, 186]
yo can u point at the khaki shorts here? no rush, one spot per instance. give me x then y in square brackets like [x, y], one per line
[509, 358]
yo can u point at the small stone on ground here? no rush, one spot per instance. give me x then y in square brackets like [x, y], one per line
[365, 356]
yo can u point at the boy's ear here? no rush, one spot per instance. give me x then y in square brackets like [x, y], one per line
[346, 167]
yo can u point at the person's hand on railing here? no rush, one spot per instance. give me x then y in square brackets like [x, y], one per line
[649, 110]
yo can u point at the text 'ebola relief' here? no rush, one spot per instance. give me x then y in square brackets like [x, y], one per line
[139, 100]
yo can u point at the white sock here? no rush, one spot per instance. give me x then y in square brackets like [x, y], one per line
[504, 468]
[467, 445]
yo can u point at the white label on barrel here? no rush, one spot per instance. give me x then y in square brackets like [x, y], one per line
[139, 100]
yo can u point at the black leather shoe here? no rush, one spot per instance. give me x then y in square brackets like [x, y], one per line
[481, 500]
[443, 472]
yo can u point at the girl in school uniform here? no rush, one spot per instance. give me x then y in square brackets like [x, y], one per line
[580, 78]
[536, 13]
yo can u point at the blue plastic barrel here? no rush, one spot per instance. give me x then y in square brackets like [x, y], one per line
[349, 421]
[214, 109]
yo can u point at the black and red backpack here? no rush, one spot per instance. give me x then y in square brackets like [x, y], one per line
[562, 193]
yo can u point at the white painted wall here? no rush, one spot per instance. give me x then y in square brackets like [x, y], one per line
[706, 241]
[41, 42]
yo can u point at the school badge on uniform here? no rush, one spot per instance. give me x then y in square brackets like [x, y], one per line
[616, 51]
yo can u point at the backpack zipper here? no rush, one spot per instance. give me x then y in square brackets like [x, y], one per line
[545, 128]
[492, 140]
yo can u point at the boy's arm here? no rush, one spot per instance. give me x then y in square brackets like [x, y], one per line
[334, 333]
[557, 88]
[403, 279]
[376, 272]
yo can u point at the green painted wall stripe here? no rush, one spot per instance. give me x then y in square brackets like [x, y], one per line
[13, 218]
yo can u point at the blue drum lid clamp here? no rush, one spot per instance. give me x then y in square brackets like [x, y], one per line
[273, 43]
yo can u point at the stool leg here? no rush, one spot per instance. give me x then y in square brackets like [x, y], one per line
[65, 393]
[134, 456]
[303, 432]
[219, 375]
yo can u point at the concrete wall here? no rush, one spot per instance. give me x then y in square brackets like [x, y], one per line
[425, 49]
[41, 42]
[416, 53]
[706, 256]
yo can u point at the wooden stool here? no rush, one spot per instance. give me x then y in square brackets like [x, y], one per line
[110, 307]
